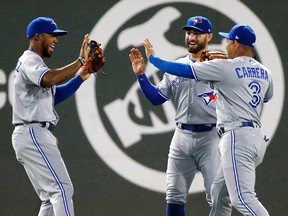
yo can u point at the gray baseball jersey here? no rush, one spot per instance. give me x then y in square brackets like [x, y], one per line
[31, 102]
[190, 151]
[35, 146]
[194, 101]
[243, 85]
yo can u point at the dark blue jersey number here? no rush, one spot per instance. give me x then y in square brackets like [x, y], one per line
[256, 99]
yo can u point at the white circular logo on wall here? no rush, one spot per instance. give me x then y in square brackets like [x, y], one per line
[117, 113]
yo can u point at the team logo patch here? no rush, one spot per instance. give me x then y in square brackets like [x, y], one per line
[207, 97]
[197, 20]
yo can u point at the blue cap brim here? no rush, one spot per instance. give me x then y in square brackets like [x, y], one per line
[59, 32]
[224, 34]
[191, 27]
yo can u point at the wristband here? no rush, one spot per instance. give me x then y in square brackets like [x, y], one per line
[82, 60]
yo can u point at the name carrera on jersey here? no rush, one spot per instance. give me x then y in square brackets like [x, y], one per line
[249, 72]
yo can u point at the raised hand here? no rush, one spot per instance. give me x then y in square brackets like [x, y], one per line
[137, 61]
[148, 47]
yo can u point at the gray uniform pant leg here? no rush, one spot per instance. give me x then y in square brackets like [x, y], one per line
[37, 150]
[242, 150]
[191, 152]
[208, 159]
[221, 204]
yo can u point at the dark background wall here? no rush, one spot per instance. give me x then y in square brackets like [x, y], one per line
[98, 189]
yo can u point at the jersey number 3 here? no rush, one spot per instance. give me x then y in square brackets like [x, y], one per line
[256, 99]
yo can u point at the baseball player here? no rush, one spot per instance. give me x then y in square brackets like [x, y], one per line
[36, 91]
[243, 85]
[194, 144]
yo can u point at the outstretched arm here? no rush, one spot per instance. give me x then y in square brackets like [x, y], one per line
[149, 90]
[175, 68]
[64, 91]
[63, 74]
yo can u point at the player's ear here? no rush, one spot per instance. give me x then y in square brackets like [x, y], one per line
[236, 44]
[209, 37]
[36, 37]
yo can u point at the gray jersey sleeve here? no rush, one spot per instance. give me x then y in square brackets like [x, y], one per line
[209, 71]
[269, 92]
[35, 69]
[164, 86]
[169, 82]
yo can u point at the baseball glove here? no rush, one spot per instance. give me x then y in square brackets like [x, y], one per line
[212, 54]
[96, 59]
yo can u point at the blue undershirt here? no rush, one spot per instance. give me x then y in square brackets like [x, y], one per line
[150, 91]
[66, 90]
[171, 67]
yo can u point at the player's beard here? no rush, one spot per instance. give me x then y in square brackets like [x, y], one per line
[46, 52]
[199, 47]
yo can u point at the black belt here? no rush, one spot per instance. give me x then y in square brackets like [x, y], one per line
[47, 125]
[196, 128]
[222, 130]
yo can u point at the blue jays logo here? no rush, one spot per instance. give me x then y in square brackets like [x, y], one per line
[207, 97]
[197, 20]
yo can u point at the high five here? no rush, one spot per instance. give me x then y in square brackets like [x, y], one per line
[243, 86]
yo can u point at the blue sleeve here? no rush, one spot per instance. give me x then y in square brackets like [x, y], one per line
[150, 91]
[66, 90]
[174, 68]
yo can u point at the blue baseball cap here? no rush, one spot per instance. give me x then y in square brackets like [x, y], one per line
[200, 23]
[43, 25]
[243, 34]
